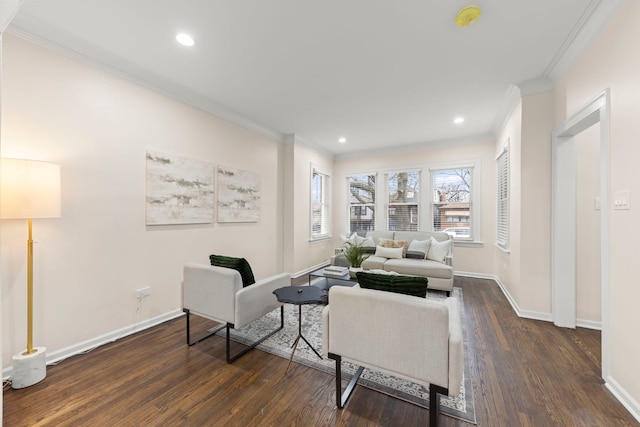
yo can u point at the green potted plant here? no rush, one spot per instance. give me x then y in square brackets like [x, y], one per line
[355, 255]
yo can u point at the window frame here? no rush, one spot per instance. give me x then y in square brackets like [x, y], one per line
[503, 195]
[325, 203]
[417, 203]
[373, 206]
[475, 199]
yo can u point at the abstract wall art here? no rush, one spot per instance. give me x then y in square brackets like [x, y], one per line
[179, 190]
[238, 195]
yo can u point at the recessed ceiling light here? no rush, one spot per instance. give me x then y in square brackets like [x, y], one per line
[185, 39]
[458, 120]
[342, 140]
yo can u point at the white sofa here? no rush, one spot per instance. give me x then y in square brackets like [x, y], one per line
[439, 274]
[410, 337]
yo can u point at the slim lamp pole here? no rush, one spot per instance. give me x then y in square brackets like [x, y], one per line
[30, 349]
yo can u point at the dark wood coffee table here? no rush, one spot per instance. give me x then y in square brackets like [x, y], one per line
[300, 295]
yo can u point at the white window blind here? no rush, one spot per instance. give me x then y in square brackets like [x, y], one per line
[402, 208]
[319, 204]
[452, 209]
[362, 203]
[502, 166]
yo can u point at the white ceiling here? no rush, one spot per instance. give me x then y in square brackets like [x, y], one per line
[382, 74]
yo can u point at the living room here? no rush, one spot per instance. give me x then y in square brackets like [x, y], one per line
[98, 126]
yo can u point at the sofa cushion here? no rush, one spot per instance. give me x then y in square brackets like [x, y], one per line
[377, 235]
[419, 267]
[408, 285]
[438, 250]
[418, 249]
[394, 253]
[241, 265]
[388, 243]
[373, 263]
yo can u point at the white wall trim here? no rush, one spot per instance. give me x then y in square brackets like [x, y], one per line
[589, 324]
[88, 345]
[102, 60]
[525, 314]
[309, 270]
[625, 398]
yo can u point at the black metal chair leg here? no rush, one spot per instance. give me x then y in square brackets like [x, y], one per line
[229, 326]
[209, 333]
[342, 397]
[434, 403]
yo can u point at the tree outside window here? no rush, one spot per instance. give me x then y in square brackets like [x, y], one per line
[362, 203]
[403, 192]
[452, 201]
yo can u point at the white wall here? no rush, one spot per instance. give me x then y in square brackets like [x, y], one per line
[300, 253]
[478, 259]
[89, 262]
[611, 63]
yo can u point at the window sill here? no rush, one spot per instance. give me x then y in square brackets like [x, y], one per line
[320, 239]
[503, 249]
[468, 243]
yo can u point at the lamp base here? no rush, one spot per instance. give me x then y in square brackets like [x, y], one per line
[29, 369]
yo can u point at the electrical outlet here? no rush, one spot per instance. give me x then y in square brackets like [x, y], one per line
[143, 292]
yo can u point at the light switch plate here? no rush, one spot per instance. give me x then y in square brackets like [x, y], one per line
[621, 200]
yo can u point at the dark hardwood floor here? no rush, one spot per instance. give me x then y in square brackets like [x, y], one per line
[525, 373]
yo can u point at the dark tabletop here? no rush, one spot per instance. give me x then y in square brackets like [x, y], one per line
[300, 295]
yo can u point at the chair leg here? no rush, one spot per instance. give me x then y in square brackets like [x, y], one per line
[434, 403]
[229, 326]
[341, 398]
[202, 338]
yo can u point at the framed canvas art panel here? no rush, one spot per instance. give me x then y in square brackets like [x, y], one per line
[238, 195]
[180, 190]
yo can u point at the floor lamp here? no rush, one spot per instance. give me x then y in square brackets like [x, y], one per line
[29, 189]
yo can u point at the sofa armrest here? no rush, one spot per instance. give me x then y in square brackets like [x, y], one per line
[456, 347]
[254, 301]
[325, 331]
[210, 291]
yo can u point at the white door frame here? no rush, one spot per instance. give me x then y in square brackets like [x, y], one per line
[563, 217]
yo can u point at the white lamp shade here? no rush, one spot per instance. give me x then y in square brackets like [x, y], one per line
[29, 189]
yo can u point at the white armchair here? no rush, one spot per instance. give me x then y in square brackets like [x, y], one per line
[407, 336]
[216, 293]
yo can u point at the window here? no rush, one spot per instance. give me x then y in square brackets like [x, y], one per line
[362, 203]
[402, 209]
[502, 166]
[319, 204]
[452, 207]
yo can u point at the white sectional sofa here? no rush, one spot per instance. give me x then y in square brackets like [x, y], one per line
[437, 265]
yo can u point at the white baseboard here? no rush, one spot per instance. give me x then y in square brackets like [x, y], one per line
[627, 401]
[86, 346]
[309, 270]
[589, 324]
[526, 314]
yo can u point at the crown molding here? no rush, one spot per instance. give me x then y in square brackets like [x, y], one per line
[466, 140]
[590, 24]
[8, 10]
[99, 58]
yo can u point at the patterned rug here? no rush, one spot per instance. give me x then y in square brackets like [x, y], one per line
[461, 407]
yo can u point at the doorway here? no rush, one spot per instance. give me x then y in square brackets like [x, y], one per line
[564, 214]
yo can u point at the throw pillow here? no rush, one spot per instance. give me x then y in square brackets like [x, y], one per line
[388, 243]
[408, 285]
[391, 253]
[368, 245]
[241, 265]
[438, 250]
[418, 249]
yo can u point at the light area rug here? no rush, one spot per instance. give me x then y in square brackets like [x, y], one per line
[461, 407]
